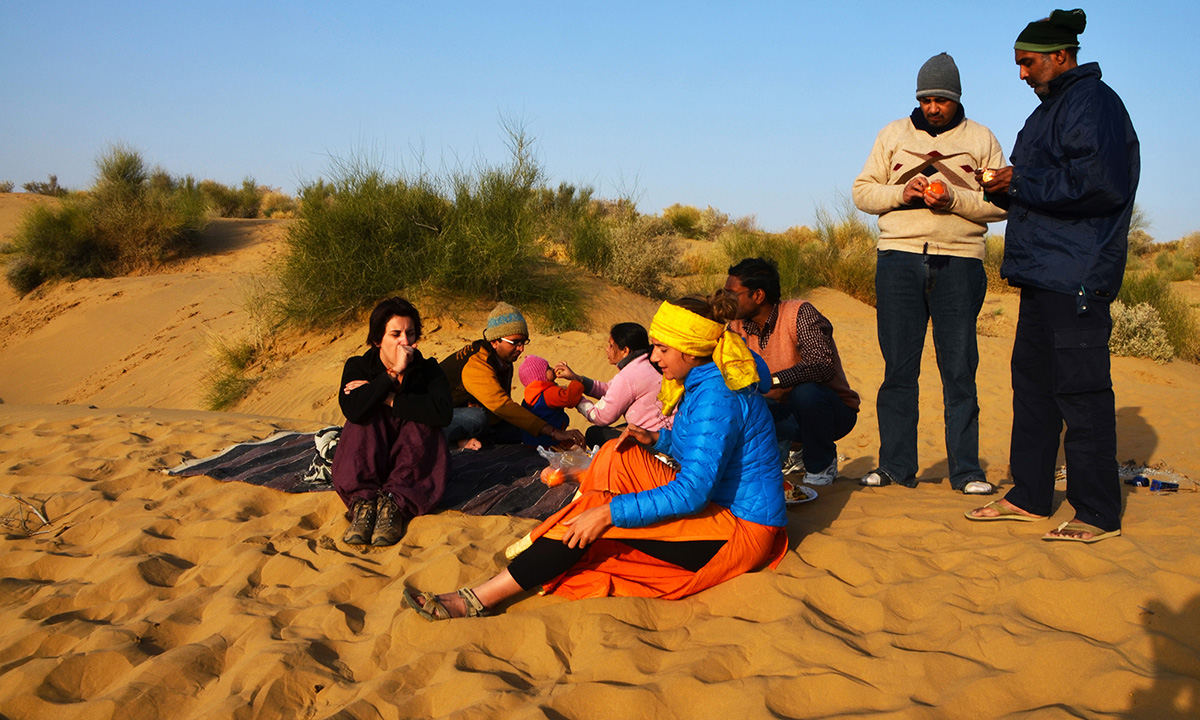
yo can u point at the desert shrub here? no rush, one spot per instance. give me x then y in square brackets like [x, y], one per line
[358, 238]
[642, 256]
[364, 235]
[1189, 247]
[845, 255]
[569, 221]
[274, 203]
[1137, 331]
[228, 202]
[1178, 319]
[226, 382]
[712, 221]
[126, 222]
[1176, 266]
[788, 251]
[685, 220]
[56, 242]
[6, 186]
[993, 256]
[51, 187]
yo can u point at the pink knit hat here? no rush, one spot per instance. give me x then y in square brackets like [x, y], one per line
[533, 369]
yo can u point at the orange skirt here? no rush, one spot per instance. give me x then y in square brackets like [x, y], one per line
[611, 568]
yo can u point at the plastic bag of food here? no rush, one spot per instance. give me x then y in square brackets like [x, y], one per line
[564, 464]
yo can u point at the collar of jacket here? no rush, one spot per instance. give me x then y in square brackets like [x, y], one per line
[633, 355]
[1060, 84]
[920, 123]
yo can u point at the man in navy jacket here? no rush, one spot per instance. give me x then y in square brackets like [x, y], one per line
[1069, 194]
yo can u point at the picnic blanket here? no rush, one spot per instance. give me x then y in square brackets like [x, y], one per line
[497, 480]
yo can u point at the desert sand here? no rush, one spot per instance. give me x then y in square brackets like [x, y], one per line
[151, 596]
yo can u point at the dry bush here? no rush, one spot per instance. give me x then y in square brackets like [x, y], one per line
[274, 203]
[6, 186]
[993, 256]
[1138, 331]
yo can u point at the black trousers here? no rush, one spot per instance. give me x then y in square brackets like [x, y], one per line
[1061, 374]
[546, 559]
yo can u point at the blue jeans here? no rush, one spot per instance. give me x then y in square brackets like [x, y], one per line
[814, 415]
[474, 422]
[911, 290]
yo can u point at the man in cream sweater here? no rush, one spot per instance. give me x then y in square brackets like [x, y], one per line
[920, 181]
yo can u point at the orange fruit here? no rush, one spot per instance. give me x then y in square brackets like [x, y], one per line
[935, 188]
[552, 476]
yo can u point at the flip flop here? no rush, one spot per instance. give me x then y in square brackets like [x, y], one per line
[1075, 526]
[1005, 513]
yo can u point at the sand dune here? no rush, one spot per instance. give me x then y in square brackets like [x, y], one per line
[154, 597]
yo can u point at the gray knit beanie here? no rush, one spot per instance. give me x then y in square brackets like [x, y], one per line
[939, 78]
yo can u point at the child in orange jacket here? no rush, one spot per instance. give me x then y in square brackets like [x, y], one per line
[545, 398]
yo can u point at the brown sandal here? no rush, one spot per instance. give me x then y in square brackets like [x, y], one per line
[429, 607]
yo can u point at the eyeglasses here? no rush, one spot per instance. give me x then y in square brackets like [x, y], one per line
[516, 343]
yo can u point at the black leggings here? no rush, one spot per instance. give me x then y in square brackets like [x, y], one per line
[546, 558]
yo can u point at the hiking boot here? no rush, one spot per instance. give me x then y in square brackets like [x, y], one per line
[389, 522]
[362, 521]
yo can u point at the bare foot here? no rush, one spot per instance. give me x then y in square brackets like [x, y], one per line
[470, 444]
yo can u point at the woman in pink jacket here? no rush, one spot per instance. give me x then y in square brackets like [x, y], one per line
[633, 392]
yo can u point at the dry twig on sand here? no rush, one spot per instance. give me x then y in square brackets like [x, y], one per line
[18, 522]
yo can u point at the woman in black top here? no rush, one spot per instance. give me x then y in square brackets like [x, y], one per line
[392, 459]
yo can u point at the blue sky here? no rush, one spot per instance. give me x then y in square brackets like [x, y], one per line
[762, 108]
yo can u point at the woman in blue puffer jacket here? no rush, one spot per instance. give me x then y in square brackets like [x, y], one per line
[667, 513]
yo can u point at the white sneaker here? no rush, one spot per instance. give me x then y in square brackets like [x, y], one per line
[825, 477]
[794, 463]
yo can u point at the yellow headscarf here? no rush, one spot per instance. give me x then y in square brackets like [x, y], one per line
[692, 334]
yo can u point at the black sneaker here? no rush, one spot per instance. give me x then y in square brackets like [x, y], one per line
[389, 522]
[362, 522]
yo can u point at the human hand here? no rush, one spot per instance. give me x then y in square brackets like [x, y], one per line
[915, 189]
[354, 385]
[936, 200]
[639, 434]
[587, 527]
[1000, 179]
[404, 356]
[564, 370]
[567, 438]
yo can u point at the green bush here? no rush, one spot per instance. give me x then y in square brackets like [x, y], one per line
[363, 235]
[845, 255]
[51, 188]
[129, 220]
[1176, 266]
[1137, 331]
[1178, 319]
[789, 251]
[6, 186]
[685, 220]
[226, 382]
[359, 238]
[224, 201]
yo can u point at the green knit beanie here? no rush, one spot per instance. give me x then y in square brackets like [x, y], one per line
[505, 320]
[1057, 32]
